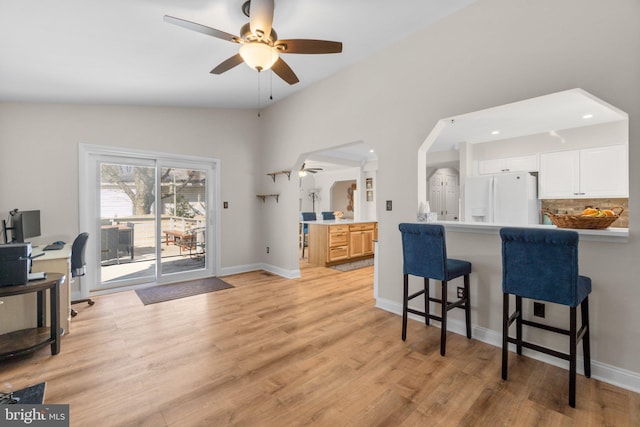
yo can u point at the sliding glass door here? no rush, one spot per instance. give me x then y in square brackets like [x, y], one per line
[152, 219]
[183, 219]
[127, 206]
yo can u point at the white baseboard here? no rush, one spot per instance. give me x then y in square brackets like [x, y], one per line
[287, 274]
[601, 371]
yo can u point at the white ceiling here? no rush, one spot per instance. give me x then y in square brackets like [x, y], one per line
[122, 51]
[550, 113]
[351, 155]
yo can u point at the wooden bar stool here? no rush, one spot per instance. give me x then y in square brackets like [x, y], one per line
[543, 265]
[424, 252]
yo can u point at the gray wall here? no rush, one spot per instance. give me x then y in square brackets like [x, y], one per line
[491, 53]
[40, 160]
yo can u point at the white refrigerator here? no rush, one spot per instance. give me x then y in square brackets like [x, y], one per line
[504, 199]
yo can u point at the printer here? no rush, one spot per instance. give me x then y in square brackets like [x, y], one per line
[15, 264]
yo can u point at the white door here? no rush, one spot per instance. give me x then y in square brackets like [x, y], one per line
[436, 201]
[451, 192]
[151, 219]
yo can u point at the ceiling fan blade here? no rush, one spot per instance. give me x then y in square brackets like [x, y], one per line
[285, 72]
[201, 29]
[227, 64]
[308, 46]
[261, 16]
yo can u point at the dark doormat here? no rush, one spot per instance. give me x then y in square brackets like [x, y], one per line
[173, 291]
[348, 266]
[32, 395]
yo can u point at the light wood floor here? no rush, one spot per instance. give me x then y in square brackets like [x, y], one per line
[276, 352]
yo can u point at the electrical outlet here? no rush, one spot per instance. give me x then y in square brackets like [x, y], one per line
[538, 309]
[460, 292]
[389, 205]
[225, 205]
[267, 249]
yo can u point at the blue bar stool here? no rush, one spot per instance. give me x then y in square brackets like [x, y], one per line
[327, 215]
[424, 251]
[543, 265]
[306, 216]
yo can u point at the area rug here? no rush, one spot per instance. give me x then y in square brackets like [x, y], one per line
[348, 266]
[173, 291]
[32, 395]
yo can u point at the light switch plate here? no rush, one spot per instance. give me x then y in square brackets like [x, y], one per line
[389, 205]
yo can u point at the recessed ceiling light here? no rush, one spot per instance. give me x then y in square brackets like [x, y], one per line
[372, 151]
[587, 116]
[495, 132]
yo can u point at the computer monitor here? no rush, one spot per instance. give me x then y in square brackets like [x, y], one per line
[25, 225]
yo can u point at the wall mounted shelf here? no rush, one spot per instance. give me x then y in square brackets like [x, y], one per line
[273, 175]
[264, 196]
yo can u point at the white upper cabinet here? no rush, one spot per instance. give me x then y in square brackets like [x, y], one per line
[588, 173]
[604, 171]
[509, 164]
[559, 175]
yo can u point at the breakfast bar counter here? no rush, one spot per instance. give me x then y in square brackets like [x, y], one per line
[611, 234]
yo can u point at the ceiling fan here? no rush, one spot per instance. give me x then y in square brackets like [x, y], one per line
[260, 47]
[304, 171]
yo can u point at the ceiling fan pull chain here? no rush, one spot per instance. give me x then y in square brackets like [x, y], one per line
[258, 93]
[271, 86]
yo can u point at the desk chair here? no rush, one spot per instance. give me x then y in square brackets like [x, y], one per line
[424, 252]
[79, 265]
[197, 245]
[327, 215]
[543, 265]
[306, 216]
[125, 240]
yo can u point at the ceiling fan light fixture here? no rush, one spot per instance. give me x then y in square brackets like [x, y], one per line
[259, 56]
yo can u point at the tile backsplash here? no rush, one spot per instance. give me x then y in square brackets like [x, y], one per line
[576, 206]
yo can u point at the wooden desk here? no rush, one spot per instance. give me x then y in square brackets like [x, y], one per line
[27, 340]
[180, 238]
[19, 311]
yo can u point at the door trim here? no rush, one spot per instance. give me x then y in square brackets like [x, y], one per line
[88, 218]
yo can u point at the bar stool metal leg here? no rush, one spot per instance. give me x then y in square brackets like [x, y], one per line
[586, 344]
[467, 305]
[405, 306]
[572, 356]
[505, 335]
[426, 301]
[443, 324]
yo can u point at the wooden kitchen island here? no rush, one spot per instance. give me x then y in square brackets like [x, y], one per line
[334, 242]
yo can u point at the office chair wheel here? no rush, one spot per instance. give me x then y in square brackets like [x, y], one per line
[74, 313]
[91, 302]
